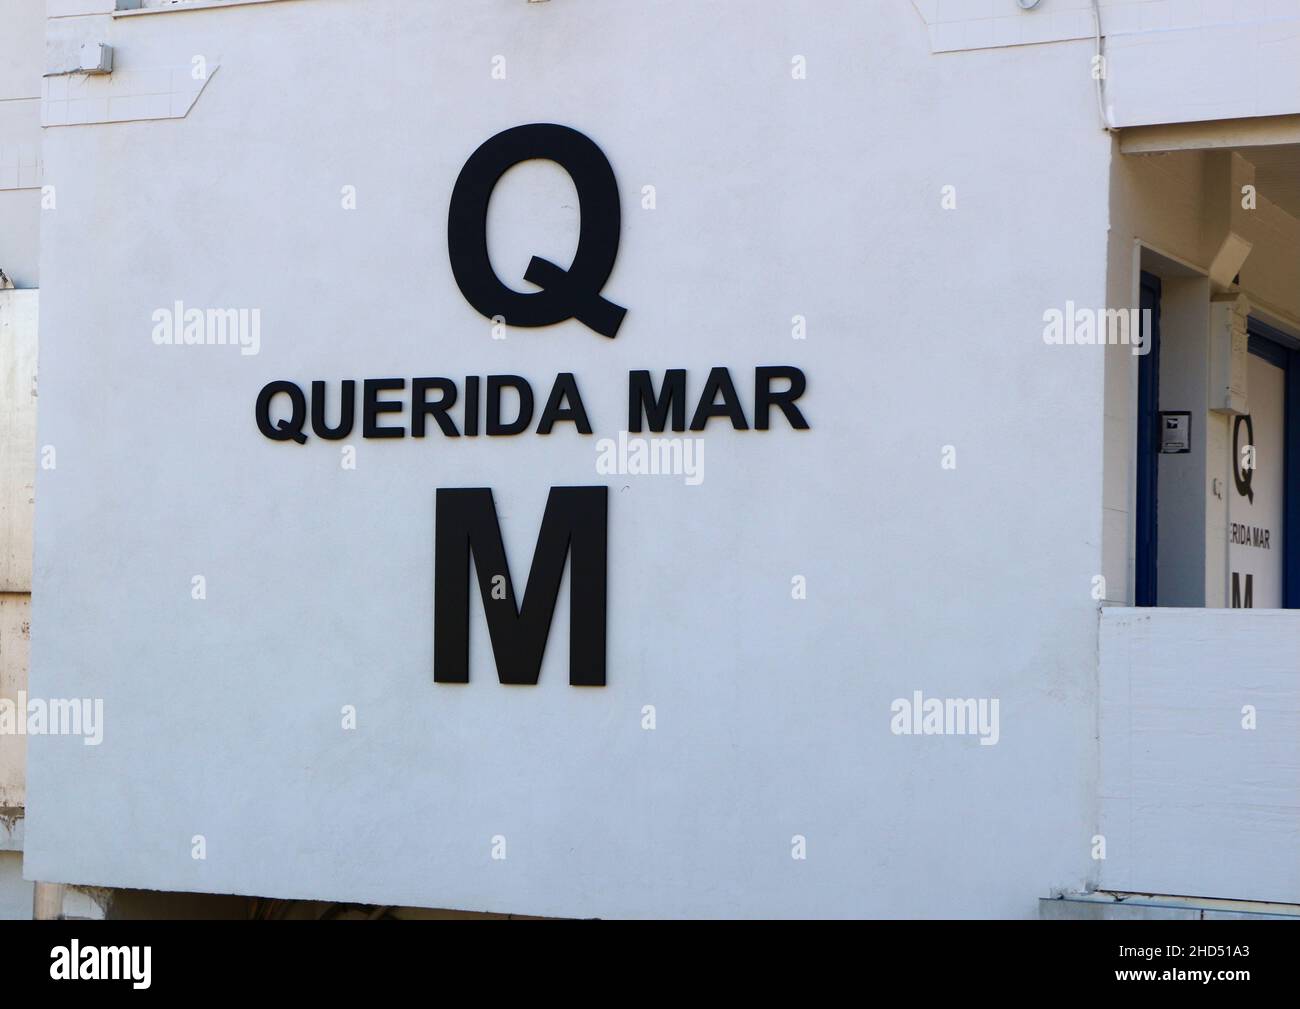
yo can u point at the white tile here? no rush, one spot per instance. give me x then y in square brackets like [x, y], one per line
[180, 105]
[1249, 10]
[1157, 15]
[928, 9]
[1187, 13]
[980, 33]
[54, 113]
[87, 110]
[948, 37]
[1074, 25]
[1121, 20]
[1006, 31]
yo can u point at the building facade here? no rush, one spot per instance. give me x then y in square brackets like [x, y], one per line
[642, 459]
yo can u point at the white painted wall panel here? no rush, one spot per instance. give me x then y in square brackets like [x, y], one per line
[19, 318]
[776, 197]
[1220, 72]
[1166, 62]
[1192, 802]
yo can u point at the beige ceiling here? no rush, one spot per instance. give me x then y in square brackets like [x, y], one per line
[1277, 174]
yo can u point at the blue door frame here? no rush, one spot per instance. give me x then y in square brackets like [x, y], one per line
[1148, 448]
[1281, 350]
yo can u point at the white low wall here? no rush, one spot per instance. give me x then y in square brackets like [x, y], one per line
[1194, 801]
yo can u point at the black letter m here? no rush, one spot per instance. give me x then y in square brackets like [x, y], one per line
[575, 523]
[1236, 592]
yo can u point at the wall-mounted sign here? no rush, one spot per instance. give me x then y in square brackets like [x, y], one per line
[574, 528]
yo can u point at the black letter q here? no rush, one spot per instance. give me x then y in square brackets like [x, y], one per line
[565, 294]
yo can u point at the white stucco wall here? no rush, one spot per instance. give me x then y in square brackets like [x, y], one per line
[775, 197]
